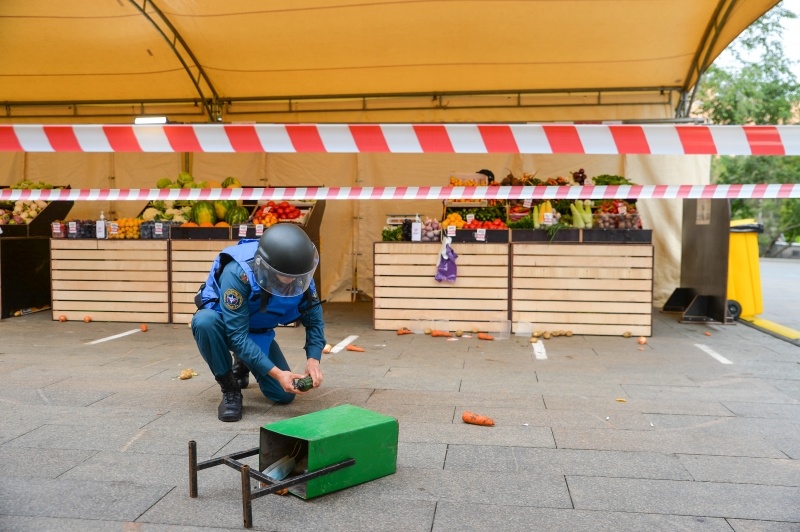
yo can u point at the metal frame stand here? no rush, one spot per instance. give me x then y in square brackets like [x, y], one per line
[248, 494]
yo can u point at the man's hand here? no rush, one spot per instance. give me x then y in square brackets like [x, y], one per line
[286, 380]
[313, 369]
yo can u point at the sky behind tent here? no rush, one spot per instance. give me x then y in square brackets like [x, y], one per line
[791, 40]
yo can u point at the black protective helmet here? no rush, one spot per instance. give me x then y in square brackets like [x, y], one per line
[285, 260]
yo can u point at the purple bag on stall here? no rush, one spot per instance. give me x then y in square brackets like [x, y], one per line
[447, 269]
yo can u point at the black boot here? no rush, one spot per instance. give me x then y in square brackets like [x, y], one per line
[230, 408]
[241, 372]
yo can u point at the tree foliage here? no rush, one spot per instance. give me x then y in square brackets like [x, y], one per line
[760, 88]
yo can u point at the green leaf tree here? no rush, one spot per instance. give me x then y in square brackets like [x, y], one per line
[760, 88]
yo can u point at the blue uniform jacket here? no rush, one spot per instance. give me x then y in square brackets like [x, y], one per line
[235, 294]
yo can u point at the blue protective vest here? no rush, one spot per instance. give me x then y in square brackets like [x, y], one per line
[278, 310]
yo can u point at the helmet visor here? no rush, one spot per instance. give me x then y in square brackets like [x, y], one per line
[279, 283]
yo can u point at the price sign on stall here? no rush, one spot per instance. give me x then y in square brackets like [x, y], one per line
[243, 230]
[480, 235]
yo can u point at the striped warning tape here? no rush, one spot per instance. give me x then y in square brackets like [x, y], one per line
[590, 139]
[753, 191]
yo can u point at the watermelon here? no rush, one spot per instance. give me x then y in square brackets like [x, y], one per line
[204, 212]
[231, 182]
[221, 207]
[237, 215]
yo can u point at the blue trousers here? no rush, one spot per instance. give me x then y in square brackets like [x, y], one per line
[209, 333]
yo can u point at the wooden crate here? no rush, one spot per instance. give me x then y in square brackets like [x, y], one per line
[190, 261]
[596, 289]
[405, 288]
[110, 280]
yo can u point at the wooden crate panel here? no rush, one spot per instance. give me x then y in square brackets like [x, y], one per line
[523, 295]
[430, 271]
[439, 292]
[123, 281]
[110, 264]
[587, 289]
[406, 288]
[183, 317]
[583, 250]
[440, 304]
[597, 272]
[183, 308]
[584, 284]
[145, 255]
[124, 317]
[189, 277]
[201, 245]
[429, 281]
[573, 261]
[466, 316]
[400, 248]
[433, 260]
[106, 276]
[187, 266]
[111, 306]
[89, 295]
[578, 307]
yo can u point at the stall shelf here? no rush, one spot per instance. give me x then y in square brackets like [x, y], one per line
[406, 292]
[190, 261]
[110, 280]
[585, 288]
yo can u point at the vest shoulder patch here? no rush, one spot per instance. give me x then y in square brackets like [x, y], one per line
[232, 299]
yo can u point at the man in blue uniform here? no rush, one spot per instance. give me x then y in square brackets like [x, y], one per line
[252, 288]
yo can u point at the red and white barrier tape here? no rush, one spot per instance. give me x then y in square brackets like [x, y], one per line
[589, 139]
[411, 193]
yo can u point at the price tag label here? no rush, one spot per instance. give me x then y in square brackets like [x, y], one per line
[470, 217]
[548, 218]
[259, 229]
[73, 227]
[622, 208]
[451, 230]
[527, 203]
[114, 228]
[158, 229]
[243, 230]
[56, 229]
[416, 232]
[480, 235]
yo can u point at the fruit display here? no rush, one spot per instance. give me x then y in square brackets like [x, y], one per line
[616, 214]
[21, 212]
[236, 215]
[431, 230]
[124, 228]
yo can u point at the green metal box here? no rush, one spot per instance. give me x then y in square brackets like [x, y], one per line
[328, 437]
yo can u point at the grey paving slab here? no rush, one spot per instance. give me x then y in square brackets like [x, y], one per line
[462, 434]
[489, 518]
[743, 525]
[606, 405]
[46, 396]
[139, 468]
[60, 524]
[11, 429]
[558, 418]
[631, 377]
[90, 500]
[764, 410]
[479, 487]
[773, 472]
[494, 398]
[421, 455]
[708, 499]
[42, 463]
[566, 462]
[337, 512]
[686, 441]
[729, 390]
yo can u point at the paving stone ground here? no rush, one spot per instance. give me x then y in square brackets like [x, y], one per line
[603, 434]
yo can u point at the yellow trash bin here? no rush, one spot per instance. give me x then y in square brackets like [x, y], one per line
[744, 274]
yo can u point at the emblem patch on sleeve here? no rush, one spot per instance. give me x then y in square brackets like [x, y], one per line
[233, 299]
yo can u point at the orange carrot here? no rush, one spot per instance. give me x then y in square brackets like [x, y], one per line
[442, 334]
[484, 336]
[404, 330]
[351, 347]
[477, 419]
